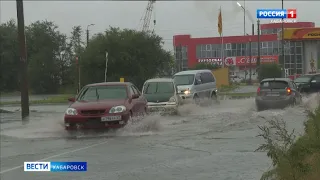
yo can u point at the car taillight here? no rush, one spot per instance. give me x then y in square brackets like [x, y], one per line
[258, 91]
[288, 91]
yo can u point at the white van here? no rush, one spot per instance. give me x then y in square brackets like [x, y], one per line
[196, 84]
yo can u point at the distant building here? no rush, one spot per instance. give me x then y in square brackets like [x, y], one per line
[301, 48]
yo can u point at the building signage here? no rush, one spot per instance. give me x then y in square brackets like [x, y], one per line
[245, 61]
[228, 61]
[211, 61]
[240, 60]
[301, 33]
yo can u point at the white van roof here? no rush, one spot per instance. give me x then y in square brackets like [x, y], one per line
[160, 80]
[193, 72]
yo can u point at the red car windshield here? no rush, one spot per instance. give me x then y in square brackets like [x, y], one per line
[94, 93]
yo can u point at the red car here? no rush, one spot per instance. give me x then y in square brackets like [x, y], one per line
[104, 105]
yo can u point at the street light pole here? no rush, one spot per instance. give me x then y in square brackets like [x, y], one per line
[244, 16]
[282, 42]
[23, 61]
[88, 33]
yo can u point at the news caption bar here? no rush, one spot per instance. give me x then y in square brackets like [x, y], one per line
[276, 13]
[55, 166]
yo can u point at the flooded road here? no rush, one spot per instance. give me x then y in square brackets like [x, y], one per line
[204, 142]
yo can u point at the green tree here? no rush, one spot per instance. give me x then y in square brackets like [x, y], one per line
[9, 76]
[269, 71]
[45, 46]
[69, 67]
[206, 66]
[134, 55]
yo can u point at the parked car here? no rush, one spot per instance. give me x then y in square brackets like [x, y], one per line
[308, 83]
[104, 105]
[277, 93]
[196, 85]
[161, 94]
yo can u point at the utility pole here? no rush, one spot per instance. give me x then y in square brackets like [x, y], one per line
[258, 58]
[250, 57]
[282, 43]
[295, 60]
[106, 68]
[78, 67]
[23, 61]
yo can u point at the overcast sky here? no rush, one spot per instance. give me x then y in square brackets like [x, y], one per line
[173, 17]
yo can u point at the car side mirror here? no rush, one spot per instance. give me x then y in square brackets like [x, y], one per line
[135, 96]
[313, 81]
[72, 99]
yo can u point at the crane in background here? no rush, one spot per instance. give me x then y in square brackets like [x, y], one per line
[146, 18]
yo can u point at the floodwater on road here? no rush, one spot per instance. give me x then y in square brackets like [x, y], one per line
[203, 143]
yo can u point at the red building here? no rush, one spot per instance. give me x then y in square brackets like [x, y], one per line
[236, 49]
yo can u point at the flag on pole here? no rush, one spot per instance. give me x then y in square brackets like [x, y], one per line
[220, 23]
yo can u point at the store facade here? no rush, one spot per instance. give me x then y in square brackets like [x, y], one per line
[190, 51]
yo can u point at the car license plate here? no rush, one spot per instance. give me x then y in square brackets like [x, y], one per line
[111, 118]
[274, 94]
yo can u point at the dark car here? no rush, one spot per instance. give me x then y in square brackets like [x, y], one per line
[104, 105]
[161, 94]
[277, 93]
[308, 83]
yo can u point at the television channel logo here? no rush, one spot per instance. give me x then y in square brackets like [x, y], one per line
[55, 166]
[276, 13]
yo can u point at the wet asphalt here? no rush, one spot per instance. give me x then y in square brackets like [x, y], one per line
[203, 143]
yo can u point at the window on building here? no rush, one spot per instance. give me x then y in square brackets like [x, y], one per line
[239, 52]
[254, 52]
[264, 45]
[299, 44]
[184, 52]
[228, 46]
[298, 50]
[270, 51]
[264, 51]
[286, 65]
[238, 46]
[198, 51]
[292, 59]
[254, 45]
[218, 53]
[299, 59]
[233, 46]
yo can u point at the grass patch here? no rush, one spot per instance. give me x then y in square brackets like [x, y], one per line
[293, 158]
[51, 100]
[6, 94]
[229, 88]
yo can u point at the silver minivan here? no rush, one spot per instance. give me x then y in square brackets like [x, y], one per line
[196, 85]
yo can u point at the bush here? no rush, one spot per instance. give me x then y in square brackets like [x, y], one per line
[293, 159]
[269, 71]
